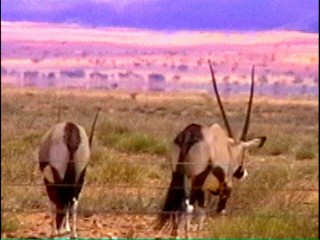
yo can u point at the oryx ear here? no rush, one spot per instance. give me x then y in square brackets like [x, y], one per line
[254, 143]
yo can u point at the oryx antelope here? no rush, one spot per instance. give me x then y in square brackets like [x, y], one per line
[205, 159]
[63, 157]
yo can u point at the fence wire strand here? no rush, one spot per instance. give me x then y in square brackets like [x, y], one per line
[156, 187]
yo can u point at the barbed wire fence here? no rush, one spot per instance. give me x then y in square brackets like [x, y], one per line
[151, 195]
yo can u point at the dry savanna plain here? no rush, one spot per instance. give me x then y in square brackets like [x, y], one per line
[130, 170]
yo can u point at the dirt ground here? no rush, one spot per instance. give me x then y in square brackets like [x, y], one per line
[38, 225]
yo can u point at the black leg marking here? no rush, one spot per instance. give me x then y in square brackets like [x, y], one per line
[239, 172]
[224, 196]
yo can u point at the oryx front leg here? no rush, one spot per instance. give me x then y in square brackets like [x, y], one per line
[223, 198]
[201, 215]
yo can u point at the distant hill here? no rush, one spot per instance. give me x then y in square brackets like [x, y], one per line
[230, 15]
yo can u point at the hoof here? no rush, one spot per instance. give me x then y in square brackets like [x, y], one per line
[74, 235]
[223, 212]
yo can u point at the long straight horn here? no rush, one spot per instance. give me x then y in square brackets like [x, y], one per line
[246, 124]
[219, 102]
[93, 126]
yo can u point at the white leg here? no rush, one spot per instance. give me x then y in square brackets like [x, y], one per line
[189, 211]
[201, 217]
[62, 230]
[67, 225]
[54, 231]
[74, 217]
[245, 175]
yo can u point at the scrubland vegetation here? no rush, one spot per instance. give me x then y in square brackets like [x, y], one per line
[130, 169]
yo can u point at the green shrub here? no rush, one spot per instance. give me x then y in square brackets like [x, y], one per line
[111, 171]
[123, 139]
[141, 143]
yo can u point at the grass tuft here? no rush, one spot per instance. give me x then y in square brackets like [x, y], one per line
[306, 151]
[261, 226]
[277, 146]
[9, 224]
[123, 139]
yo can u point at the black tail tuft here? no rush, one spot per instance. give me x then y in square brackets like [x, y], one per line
[174, 199]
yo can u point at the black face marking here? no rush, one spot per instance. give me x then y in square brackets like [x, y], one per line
[239, 172]
[71, 138]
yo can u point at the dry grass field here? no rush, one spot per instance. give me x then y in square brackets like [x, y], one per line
[129, 170]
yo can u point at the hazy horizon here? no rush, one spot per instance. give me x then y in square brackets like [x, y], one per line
[206, 15]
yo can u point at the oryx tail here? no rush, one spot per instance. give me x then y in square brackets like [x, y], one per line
[93, 126]
[178, 191]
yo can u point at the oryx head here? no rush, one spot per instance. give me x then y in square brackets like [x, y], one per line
[238, 147]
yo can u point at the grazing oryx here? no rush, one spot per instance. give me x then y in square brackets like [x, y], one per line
[63, 157]
[205, 159]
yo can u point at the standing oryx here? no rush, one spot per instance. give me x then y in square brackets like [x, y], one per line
[63, 157]
[206, 159]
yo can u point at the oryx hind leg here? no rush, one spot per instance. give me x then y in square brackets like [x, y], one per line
[54, 231]
[188, 217]
[67, 225]
[198, 196]
[73, 210]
